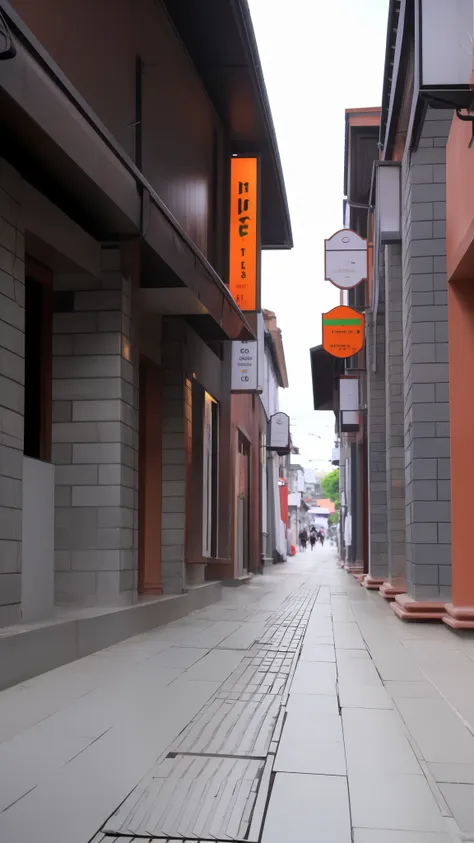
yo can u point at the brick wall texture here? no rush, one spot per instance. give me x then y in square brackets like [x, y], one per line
[376, 443]
[95, 435]
[425, 350]
[12, 379]
[395, 452]
[177, 413]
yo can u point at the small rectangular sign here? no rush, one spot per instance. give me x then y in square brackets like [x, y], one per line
[349, 394]
[243, 268]
[244, 370]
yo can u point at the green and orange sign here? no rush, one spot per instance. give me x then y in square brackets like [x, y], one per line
[343, 331]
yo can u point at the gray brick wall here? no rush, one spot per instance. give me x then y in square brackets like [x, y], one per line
[426, 376]
[376, 436]
[395, 455]
[177, 410]
[12, 378]
[95, 435]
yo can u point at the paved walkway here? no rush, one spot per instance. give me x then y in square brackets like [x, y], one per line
[297, 709]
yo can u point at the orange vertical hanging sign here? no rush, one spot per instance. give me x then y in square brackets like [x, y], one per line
[243, 232]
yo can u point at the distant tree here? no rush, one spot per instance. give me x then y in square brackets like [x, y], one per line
[330, 486]
[333, 518]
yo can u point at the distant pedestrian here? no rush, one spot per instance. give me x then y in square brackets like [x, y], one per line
[312, 539]
[303, 537]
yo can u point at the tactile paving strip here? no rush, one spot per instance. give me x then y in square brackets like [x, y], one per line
[263, 672]
[211, 787]
[232, 727]
[192, 797]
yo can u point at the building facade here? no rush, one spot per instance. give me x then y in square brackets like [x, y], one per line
[117, 439]
[405, 471]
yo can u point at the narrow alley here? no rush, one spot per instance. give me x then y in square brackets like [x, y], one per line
[297, 708]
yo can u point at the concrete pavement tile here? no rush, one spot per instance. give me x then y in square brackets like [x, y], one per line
[357, 672]
[312, 704]
[176, 657]
[375, 741]
[394, 662]
[363, 696]
[455, 773]
[460, 799]
[202, 638]
[347, 636]
[370, 835]
[33, 755]
[437, 730]
[215, 667]
[318, 653]
[413, 690]
[105, 773]
[311, 744]
[314, 678]
[349, 655]
[308, 808]
[393, 801]
[244, 637]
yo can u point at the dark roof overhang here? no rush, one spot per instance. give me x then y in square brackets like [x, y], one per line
[220, 39]
[399, 87]
[58, 144]
[325, 370]
[360, 152]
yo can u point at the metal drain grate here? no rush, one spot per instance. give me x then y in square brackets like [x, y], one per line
[192, 797]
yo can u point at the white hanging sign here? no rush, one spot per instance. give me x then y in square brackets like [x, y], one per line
[345, 259]
[244, 368]
[279, 433]
[349, 394]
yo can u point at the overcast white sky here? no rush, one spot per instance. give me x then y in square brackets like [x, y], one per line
[318, 58]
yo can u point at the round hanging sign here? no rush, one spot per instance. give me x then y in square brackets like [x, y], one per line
[345, 259]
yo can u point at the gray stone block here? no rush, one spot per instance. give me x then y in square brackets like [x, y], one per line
[441, 331]
[428, 192]
[444, 533]
[424, 533]
[442, 392]
[444, 490]
[425, 575]
[432, 511]
[422, 211]
[75, 582]
[95, 411]
[431, 554]
[420, 265]
[426, 448]
[431, 411]
[423, 393]
[428, 247]
[445, 575]
[96, 452]
[96, 496]
[444, 469]
[76, 475]
[423, 490]
[423, 353]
